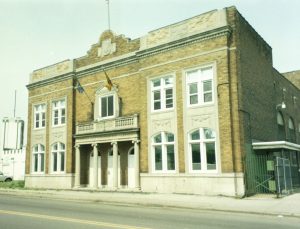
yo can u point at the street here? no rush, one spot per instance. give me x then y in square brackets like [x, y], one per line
[25, 212]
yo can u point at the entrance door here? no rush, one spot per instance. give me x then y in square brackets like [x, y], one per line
[110, 169]
[131, 170]
[91, 171]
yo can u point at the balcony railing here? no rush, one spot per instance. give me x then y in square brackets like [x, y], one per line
[121, 123]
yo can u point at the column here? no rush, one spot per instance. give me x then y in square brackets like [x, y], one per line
[95, 153]
[137, 163]
[77, 166]
[115, 164]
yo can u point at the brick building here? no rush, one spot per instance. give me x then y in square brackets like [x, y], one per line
[177, 110]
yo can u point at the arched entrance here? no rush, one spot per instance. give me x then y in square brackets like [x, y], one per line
[110, 169]
[131, 169]
[91, 170]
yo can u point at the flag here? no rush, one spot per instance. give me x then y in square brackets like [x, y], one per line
[79, 88]
[109, 84]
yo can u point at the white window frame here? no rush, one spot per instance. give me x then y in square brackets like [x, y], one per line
[60, 108]
[39, 111]
[202, 143]
[201, 78]
[59, 151]
[291, 127]
[37, 151]
[164, 143]
[100, 106]
[162, 88]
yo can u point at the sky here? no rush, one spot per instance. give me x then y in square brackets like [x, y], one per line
[38, 33]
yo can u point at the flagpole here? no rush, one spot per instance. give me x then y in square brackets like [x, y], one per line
[109, 84]
[108, 14]
[80, 89]
[15, 103]
[88, 97]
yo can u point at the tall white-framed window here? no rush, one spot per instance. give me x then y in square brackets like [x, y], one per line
[38, 159]
[107, 106]
[162, 97]
[292, 133]
[58, 157]
[199, 85]
[107, 103]
[163, 152]
[281, 127]
[58, 112]
[39, 116]
[202, 150]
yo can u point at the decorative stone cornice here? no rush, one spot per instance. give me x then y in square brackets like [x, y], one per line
[48, 81]
[135, 56]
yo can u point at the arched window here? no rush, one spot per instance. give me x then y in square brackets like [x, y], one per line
[292, 134]
[202, 150]
[163, 152]
[38, 159]
[58, 157]
[281, 127]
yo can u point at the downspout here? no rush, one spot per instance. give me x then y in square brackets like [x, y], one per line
[231, 115]
[239, 109]
[231, 123]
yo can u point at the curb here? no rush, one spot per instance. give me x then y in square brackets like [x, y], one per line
[131, 202]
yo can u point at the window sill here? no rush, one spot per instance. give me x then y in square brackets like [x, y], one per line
[40, 128]
[200, 105]
[162, 111]
[99, 119]
[58, 173]
[60, 125]
[203, 172]
[164, 172]
[38, 173]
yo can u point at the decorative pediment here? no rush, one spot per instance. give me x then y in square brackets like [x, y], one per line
[107, 48]
[103, 90]
[109, 45]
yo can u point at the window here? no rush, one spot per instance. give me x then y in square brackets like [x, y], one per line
[202, 150]
[39, 116]
[199, 86]
[38, 158]
[280, 125]
[58, 157]
[107, 106]
[107, 103]
[162, 93]
[163, 152]
[58, 112]
[292, 134]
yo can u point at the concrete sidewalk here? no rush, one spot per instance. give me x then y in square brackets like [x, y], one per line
[267, 204]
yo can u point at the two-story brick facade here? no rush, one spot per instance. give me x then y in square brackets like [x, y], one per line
[168, 112]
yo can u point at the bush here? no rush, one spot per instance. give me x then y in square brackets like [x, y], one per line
[12, 184]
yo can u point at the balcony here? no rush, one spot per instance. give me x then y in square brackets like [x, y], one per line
[120, 123]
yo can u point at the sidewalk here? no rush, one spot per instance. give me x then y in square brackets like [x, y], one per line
[269, 205]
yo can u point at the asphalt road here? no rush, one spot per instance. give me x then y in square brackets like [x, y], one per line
[37, 213]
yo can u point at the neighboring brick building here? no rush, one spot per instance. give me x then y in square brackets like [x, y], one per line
[182, 108]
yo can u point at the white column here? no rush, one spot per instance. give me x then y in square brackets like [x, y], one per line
[115, 164]
[137, 163]
[77, 166]
[95, 153]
